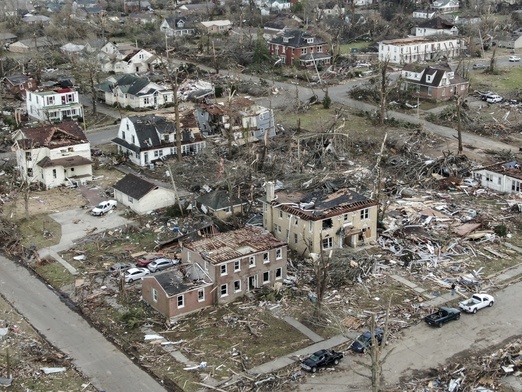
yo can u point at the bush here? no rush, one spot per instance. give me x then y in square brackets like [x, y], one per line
[500, 230]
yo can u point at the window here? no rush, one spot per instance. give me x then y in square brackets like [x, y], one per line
[181, 301]
[310, 226]
[224, 290]
[279, 273]
[279, 254]
[266, 277]
[154, 295]
[237, 265]
[277, 228]
[223, 269]
[201, 295]
[303, 51]
[295, 239]
[280, 214]
[133, 140]
[266, 257]
[54, 173]
[327, 243]
[515, 185]
[500, 181]
[123, 135]
[237, 286]
[365, 214]
[345, 217]
[29, 171]
[327, 223]
[251, 261]
[296, 221]
[28, 156]
[131, 200]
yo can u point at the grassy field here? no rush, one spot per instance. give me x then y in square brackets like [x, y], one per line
[508, 81]
[347, 48]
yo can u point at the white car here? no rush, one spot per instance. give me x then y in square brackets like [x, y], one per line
[514, 58]
[133, 274]
[494, 98]
[476, 302]
[104, 207]
[469, 182]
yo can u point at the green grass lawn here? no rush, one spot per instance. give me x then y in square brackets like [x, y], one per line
[506, 82]
[347, 48]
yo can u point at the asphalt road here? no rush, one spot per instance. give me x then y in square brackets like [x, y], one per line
[103, 363]
[425, 347]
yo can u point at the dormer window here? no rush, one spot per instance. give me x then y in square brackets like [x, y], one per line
[285, 40]
[310, 40]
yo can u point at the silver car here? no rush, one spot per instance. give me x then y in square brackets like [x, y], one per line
[161, 264]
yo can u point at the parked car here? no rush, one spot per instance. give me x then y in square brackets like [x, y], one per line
[492, 98]
[161, 264]
[145, 260]
[442, 316]
[104, 207]
[364, 341]
[135, 273]
[476, 302]
[479, 66]
[514, 58]
[120, 267]
[321, 358]
[470, 182]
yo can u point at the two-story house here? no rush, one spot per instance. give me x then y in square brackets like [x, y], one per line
[419, 49]
[53, 105]
[445, 6]
[438, 82]
[54, 154]
[177, 27]
[298, 48]
[243, 117]
[146, 139]
[436, 26]
[131, 61]
[320, 220]
[134, 92]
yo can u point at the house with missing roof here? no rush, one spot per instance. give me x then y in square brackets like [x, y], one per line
[53, 154]
[503, 177]
[436, 82]
[53, 105]
[142, 196]
[221, 204]
[131, 91]
[147, 139]
[419, 49]
[299, 48]
[325, 219]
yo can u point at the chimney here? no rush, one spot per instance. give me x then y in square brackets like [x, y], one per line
[270, 191]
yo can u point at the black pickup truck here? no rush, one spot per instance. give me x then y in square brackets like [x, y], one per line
[321, 358]
[443, 315]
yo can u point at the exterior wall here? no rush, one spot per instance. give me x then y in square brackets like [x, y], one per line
[154, 200]
[290, 54]
[498, 182]
[226, 213]
[168, 306]
[398, 53]
[300, 234]
[440, 93]
[426, 32]
[250, 274]
[143, 101]
[53, 106]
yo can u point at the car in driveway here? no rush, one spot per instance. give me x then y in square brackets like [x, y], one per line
[104, 207]
[476, 302]
[321, 358]
[161, 264]
[514, 59]
[364, 341]
[148, 258]
[135, 273]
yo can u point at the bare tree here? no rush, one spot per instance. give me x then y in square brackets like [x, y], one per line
[383, 90]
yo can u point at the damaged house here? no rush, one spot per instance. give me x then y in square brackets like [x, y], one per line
[147, 139]
[320, 220]
[419, 49]
[53, 105]
[221, 204]
[247, 120]
[501, 177]
[54, 154]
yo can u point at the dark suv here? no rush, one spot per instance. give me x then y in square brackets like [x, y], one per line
[364, 341]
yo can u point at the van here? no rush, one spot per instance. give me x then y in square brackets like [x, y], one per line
[492, 98]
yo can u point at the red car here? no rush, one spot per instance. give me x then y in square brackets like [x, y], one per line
[145, 260]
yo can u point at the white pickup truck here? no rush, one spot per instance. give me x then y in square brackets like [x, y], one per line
[476, 302]
[104, 207]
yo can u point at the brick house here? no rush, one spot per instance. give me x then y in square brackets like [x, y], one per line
[321, 220]
[299, 48]
[239, 261]
[437, 83]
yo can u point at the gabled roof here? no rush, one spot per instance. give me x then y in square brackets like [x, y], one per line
[16, 80]
[134, 186]
[436, 72]
[234, 244]
[127, 83]
[437, 23]
[219, 200]
[296, 38]
[66, 133]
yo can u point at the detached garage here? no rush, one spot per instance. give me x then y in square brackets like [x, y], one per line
[142, 196]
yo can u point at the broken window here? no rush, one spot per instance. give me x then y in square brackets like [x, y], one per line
[296, 220]
[266, 277]
[223, 269]
[279, 254]
[327, 223]
[28, 156]
[201, 295]
[365, 214]
[224, 290]
[237, 286]
[327, 243]
[181, 301]
[266, 257]
[251, 261]
[237, 265]
[279, 273]
[154, 295]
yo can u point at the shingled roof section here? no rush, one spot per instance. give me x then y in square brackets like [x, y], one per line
[296, 39]
[66, 133]
[437, 23]
[134, 186]
[218, 200]
[234, 244]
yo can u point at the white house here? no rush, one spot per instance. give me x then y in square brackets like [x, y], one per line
[132, 91]
[53, 105]
[445, 6]
[418, 49]
[362, 3]
[177, 27]
[54, 154]
[436, 26]
[146, 139]
[424, 14]
[133, 61]
[217, 26]
[501, 177]
[142, 196]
